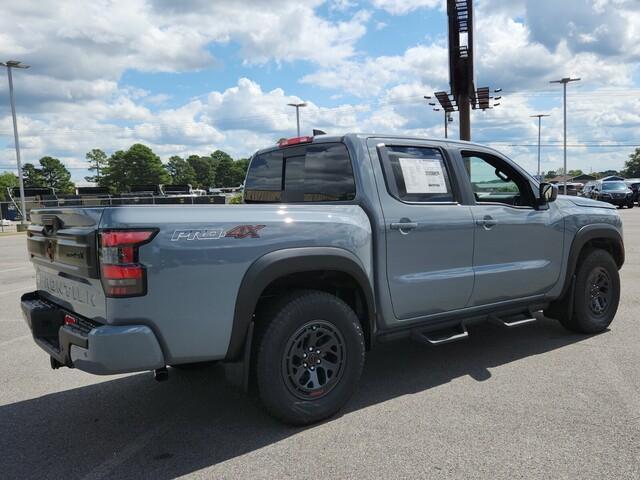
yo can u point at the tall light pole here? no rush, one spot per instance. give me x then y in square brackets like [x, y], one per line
[539, 117]
[9, 65]
[298, 106]
[564, 82]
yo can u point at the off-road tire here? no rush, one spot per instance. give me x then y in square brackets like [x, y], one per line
[289, 326]
[597, 282]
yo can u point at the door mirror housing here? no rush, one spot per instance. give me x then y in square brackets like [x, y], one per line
[548, 193]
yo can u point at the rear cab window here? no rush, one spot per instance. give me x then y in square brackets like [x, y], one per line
[306, 173]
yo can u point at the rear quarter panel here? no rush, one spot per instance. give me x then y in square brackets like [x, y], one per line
[193, 283]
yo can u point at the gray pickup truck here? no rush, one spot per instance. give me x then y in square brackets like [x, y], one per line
[342, 242]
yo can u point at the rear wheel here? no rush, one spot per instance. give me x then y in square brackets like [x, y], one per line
[597, 294]
[309, 357]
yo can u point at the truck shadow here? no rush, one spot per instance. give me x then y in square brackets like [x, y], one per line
[132, 426]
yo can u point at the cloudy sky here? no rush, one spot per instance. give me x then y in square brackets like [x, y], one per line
[197, 75]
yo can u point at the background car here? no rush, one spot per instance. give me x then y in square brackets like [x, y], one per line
[614, 192]
[634, 185]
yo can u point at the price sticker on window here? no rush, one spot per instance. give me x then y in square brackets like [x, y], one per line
[423, 175]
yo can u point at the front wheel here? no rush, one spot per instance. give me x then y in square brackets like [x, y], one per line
[309, 357]
[597, 294]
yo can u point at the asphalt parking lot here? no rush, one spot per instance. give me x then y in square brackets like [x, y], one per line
[531, 402]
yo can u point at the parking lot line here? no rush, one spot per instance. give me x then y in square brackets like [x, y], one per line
[28, 267]
[16, 290]
[14, 340]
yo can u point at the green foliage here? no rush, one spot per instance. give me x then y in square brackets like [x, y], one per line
[7, 180]
[181, 171]
[98, 162]
[204, 170]
[607, 173]
[632, 166]
[32, 176]
[240, 171]
[56, 175]
[236, 199]
[137, 166]
[550, 174]
[224, 173]
[52, 174]
[220, 155]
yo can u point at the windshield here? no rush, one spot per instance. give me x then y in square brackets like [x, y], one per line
[614, 186]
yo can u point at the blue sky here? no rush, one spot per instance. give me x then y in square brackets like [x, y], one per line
[195, 76]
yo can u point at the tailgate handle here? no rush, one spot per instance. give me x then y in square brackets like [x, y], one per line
[51, 224]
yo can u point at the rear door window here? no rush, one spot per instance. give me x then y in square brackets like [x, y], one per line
[310, 173]
[417, 174]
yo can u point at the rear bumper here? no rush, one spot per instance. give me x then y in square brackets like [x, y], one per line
[88, 346]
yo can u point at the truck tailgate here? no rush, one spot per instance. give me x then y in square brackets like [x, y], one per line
[62, 246]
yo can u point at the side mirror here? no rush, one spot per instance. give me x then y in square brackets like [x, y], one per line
[548, 193]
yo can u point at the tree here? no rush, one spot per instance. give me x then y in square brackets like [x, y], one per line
[220, 155]
[98, 161]
[224, 173]
[181, 171]
[32, 176]
[575, 173]
[7, 180]
[137, 166]
[56, 175]
[550, 174]
[204, 171]
[239, 170]
[632, 166]
[606, 173]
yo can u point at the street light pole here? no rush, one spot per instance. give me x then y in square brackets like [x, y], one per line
[539, 117]
[564, 82]
[297, 106]
[9, 65]
[446, 116]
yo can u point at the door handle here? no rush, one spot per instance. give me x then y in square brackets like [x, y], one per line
[404, 227]
[488, 222]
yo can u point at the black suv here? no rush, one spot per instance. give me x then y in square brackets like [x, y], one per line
[614, 192]
[634, 185]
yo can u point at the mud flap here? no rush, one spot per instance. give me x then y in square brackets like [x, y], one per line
[563, 307]
[238, 373]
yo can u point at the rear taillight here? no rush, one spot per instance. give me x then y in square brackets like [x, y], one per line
[121, 272]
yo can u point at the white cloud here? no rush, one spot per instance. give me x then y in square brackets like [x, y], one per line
[402, 7]
[368, 77]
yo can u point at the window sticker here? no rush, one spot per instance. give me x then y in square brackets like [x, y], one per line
[423, 175]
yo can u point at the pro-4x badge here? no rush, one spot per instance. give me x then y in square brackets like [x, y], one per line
[240, 231]
[244, 231]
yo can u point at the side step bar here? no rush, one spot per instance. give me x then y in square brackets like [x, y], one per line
[515, 320]
[459, 332]
[440, 337]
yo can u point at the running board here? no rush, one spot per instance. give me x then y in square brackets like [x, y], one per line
[440, 337]
[515, 320]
